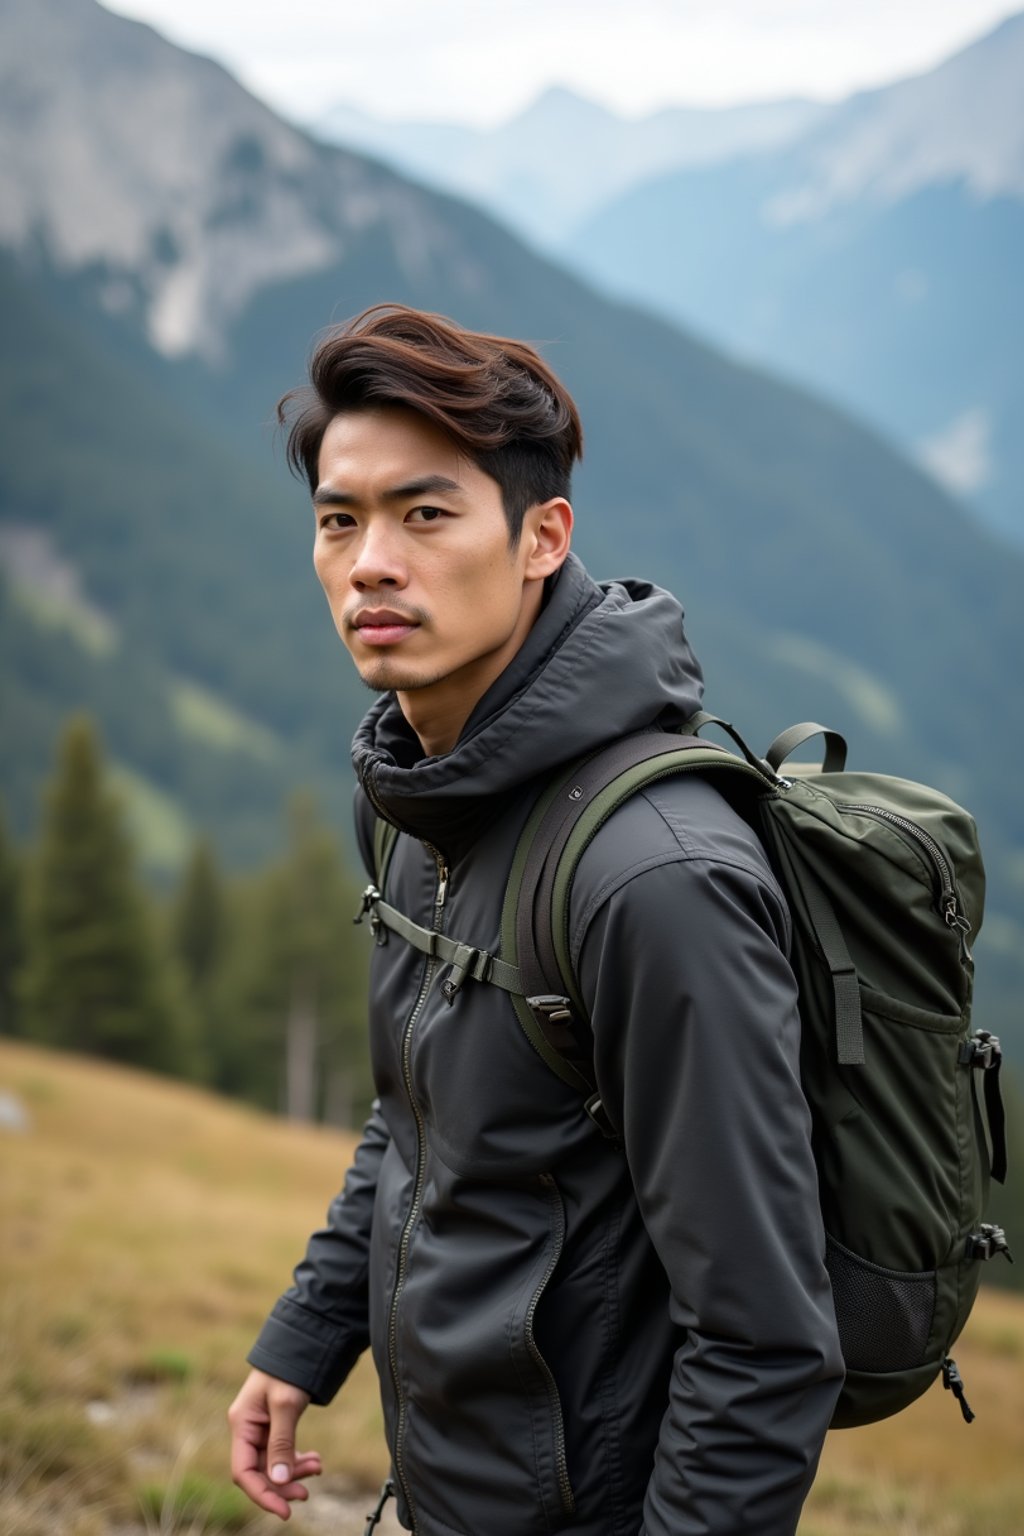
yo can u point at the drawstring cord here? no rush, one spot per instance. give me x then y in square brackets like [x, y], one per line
[373, 1518]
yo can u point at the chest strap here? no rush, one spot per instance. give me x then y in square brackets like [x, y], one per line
[464, 959]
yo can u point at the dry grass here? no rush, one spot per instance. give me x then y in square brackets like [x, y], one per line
[148, 1227]
[926, 1473]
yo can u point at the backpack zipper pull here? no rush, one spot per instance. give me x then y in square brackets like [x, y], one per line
[954, 918]
[952, 1382]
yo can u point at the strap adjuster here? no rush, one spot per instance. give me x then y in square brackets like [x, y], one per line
[982, 1050]
[987, 1241]
[368, 906]
[594, 1107]
[467, 962]
[549, 1006]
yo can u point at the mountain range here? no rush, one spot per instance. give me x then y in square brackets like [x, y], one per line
[169, 249]
[869, 249]
[561, 159]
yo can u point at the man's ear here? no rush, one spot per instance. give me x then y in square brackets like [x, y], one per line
[546, 536]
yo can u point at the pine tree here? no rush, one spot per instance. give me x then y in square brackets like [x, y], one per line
[11, 932]
[94, 979]
[293, 1005]
[198, 934]
[307, 902]
[199, 919]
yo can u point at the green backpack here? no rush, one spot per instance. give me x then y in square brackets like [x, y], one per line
[885, 883]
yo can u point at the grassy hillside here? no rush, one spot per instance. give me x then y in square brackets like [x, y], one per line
[147, 1229]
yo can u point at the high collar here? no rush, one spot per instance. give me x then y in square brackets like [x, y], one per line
[602, 660]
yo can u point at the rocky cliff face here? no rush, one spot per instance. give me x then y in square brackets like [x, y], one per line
[962, 122]
[875, 259]
[156, 174]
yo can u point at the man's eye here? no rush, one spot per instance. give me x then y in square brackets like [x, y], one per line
[427, 514]
[337, 520]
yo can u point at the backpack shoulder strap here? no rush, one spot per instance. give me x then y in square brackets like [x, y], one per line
[535, 918]
[385, 836]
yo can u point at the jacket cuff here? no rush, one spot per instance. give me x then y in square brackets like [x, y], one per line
[306, 1350]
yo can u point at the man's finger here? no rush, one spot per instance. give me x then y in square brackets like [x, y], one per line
[255, 1487]
[247, 1470]
[284, 1416]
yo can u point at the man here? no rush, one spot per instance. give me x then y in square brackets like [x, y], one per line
[571, 1335]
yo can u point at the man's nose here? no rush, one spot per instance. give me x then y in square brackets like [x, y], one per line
[379, 560]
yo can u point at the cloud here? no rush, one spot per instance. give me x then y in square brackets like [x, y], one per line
[467, 60]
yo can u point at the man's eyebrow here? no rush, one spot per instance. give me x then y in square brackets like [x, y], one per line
[323, 496]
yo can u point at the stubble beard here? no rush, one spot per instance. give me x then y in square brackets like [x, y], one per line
[384, 677]
[384, 673]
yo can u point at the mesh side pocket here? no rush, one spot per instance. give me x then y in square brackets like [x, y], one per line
[884, 1315]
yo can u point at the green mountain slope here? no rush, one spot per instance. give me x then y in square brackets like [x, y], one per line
[191, 558]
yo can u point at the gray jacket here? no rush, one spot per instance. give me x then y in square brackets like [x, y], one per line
[570, 1336]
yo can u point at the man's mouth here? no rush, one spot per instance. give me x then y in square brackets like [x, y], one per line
[383, 626]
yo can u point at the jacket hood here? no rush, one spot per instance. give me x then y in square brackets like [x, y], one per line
[602, 660]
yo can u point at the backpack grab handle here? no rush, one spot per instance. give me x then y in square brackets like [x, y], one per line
[700, 718]
[787, 742]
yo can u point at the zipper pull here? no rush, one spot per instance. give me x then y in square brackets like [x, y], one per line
[955, 919]
[952, 1382]
[442, 884]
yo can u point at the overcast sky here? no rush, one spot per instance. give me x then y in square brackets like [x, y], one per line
[481, 60]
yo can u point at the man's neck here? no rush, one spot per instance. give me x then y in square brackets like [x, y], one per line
[438, 712]
[438, 726]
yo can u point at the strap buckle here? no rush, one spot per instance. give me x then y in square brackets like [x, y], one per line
[594, 1107]
[467, 961]
[368, 907]
[982, 1050]
[987, 1241]
[549, 1007]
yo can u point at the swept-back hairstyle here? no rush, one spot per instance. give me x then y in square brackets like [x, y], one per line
[496, 398]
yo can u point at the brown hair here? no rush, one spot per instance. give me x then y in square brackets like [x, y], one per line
[496, 398]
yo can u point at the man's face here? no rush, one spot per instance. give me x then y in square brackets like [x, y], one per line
[412, 551]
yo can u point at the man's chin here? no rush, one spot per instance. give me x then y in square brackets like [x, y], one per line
[386, 677]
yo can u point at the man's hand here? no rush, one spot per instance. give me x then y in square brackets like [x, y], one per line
[264, 1462]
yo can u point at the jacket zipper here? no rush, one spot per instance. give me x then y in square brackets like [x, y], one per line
[949, 903]
[417, 1196]
[561, 1460]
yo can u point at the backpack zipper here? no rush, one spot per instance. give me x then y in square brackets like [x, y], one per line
[417, 1195]
[949, 903]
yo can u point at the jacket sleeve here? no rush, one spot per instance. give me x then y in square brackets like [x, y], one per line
[693, 1004]
[320, 1326]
